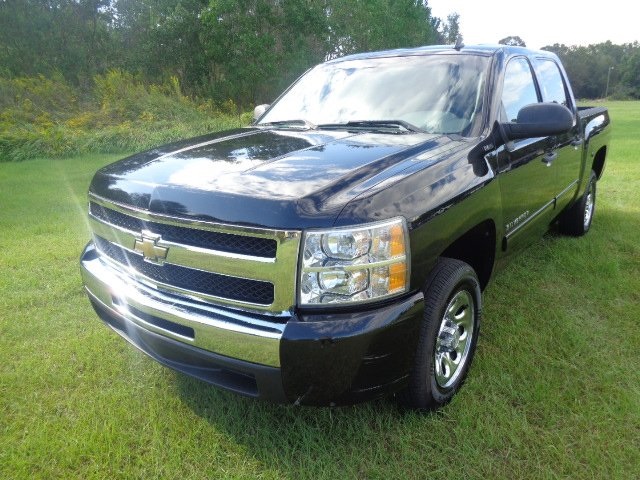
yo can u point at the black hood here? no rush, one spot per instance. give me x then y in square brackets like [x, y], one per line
[270, 178]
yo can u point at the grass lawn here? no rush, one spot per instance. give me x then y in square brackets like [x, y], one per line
[554, 391]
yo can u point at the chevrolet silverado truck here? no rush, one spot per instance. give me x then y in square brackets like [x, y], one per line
[336, 250]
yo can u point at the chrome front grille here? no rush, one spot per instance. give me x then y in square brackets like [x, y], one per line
[207, 283]
[224, 242]
[221, 264]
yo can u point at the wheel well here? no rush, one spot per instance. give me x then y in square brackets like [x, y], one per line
[598, 161]
[477, 247]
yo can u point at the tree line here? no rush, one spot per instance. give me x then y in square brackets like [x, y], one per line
[244, 50]
[602, 69]
[247, 51]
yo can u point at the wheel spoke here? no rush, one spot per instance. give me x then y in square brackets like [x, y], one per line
[446, 368]
[452, 365]
[465, 319]
[439, 368]
[464, 311]
[462, 344]
[458, 303]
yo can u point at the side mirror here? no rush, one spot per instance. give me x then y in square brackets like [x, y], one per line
[539, 120]
[259, 111]
[535, 120]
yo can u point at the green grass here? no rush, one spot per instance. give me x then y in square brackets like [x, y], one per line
[554, 391]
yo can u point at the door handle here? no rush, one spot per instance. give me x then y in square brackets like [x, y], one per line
[549, 157]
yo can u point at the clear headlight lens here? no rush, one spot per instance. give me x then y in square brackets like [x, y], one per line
[354, 264]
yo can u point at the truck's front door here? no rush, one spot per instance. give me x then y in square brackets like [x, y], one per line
[527, 181]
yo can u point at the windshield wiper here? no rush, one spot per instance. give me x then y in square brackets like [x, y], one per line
[290, 123]
[374, 124]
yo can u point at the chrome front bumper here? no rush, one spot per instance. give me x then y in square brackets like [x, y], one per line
[321, 358]
[238, 335]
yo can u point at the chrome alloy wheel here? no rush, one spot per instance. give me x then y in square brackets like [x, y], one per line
[454, 339]
[588, 207]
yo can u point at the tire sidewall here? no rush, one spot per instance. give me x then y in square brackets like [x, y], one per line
[440, 394]
[430, 394]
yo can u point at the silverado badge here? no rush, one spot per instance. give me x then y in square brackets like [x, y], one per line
[148, 246]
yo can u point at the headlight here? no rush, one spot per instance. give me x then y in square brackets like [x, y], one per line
[354, 264]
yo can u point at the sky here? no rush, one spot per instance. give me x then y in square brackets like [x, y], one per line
[544, 22]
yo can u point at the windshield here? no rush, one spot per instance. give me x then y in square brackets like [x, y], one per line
[436, 93]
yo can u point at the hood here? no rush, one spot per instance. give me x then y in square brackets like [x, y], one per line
[266, 178]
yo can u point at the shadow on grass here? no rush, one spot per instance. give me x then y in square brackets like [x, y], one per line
[306, 441]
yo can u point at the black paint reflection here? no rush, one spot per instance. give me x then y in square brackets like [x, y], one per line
[285, 178]
[264, 145]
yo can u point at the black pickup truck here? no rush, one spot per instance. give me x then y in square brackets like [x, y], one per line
[336, 250]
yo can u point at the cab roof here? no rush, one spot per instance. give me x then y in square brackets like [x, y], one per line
[482, 49]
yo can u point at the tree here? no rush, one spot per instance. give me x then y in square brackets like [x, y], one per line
[630, 73]
[44, 37]
[513, 41]
[367, 25]
[451, 29]
[161, 38]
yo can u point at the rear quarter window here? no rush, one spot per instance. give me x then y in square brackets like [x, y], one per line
[551, 82]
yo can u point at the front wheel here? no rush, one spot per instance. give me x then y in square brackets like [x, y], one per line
[448, 335]
[577, 220]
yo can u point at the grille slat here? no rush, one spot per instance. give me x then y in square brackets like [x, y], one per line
[208, 283]
[224, 242]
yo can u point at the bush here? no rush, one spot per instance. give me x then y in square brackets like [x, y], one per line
[45, 117]
[624, 92]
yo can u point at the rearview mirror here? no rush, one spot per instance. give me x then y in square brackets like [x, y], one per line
[259, 111]
[539, 120]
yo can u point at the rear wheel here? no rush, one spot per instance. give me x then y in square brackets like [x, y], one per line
[577, 220]
[448, 335]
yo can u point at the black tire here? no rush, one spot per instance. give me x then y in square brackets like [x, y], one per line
[576, 221]
[429, 385]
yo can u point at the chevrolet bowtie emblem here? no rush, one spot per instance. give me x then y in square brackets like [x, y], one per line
[148, 246]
